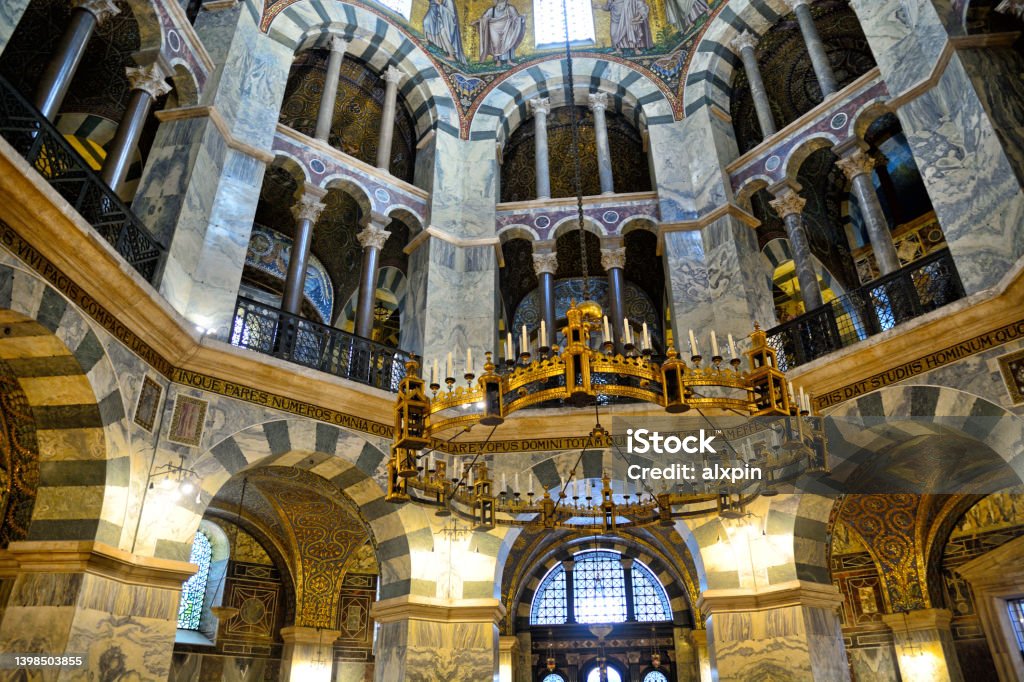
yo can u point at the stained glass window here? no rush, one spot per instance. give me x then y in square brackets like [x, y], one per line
[553, 677]
[549, 20]
[1016, 607]
[650, 603]
[194, 590]
[402, 7]
[549, 605]
[655, 676]
[599, 588]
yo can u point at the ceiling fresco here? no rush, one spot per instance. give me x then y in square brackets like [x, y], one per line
[475, 44]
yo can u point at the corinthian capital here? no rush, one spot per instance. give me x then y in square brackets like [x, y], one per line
[745, 39]
[373, 236]
[150, 78]
[857, 163]
[101, 9]
[540, 105]
[308, 208]
[338, 44]
[793, 4]
[393, 75]
[788, 204]
[598, 100]
[613, 258]
[545, 263]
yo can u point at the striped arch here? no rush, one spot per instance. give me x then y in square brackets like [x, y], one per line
[631, 93]
[709, 78]
[79, 411]
[671, 579]
[347, 460]
[379, 43]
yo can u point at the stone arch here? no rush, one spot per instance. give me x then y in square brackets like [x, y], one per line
[518, 231]
[79, 411]
[377, 42]
[151, 35]
[796, 156]
[186, 86]
[644, 223]
[353, 189]
[570, 223]
[406, 215]
[352, 463]
[632, 93]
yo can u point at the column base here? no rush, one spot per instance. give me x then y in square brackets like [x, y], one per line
[924, 645]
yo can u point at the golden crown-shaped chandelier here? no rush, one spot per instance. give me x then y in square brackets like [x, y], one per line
[579, 375]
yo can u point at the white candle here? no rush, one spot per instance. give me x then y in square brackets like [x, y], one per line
[431, 462]
[516, 489]
[436, 373]
[469, 361]
[647, 337]
[792, 392]
[504, 483]
[802, 401]
[714, 344]
[693, 343]
[627, 337]
[543, 333]
[449, 367]
[531, 485]
[732, 347]
[607, 331]
[524, 346]
[626, 486]
[575, 487]
[509, 353]
[807, 402]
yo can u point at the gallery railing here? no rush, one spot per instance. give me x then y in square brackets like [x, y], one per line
[271, 331]
[44, 147]
[919, 288]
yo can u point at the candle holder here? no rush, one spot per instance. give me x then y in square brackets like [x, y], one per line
[524, 358]
[451, 383]
[630, 350]
[735, 362]
[469, 376]
[696, 360]
[717, 360]
[435, 387]
[647, 353]
[608, 348]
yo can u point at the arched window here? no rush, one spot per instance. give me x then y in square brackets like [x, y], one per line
[550, 23]
[613, 675]
[655, 676]
[600, 592]
[194, 590]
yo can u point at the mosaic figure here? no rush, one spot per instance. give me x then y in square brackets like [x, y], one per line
[684, 13]
[501, 28]
[630, 29]
[441, 26]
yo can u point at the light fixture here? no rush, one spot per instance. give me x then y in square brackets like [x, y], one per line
[177, 480]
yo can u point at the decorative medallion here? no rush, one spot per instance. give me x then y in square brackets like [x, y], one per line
[839, 121]
[773, 163]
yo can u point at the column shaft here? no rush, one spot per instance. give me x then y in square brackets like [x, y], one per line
[570, 606]
[147, 83]
[547, 306]
[53, 85]
[746, 43]
[541, 107]
[790, 206]
[598, 104]
[614, 261]
[816, 48]
[306, 212]
[858, 166]
[325, 114]
[627, 574]
[387, 123]
[372, 240]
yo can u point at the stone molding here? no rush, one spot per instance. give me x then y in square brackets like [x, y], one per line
[715, 214]
[150, 79]
[101, 9]
[412, 607]
[856, 164]
[788, 203]
[792, 593]
[373, 236]
[545, 263]
[461, 242]
[613, 258]
[201, 110]
[918, 621]
[309, 207]
[96, 558]
[301, 634]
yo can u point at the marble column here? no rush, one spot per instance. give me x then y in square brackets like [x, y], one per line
[816, 48]
[308, 654]
[545, 265]
[700, 648]
[541, 107]
[858, 167]
[790, 205]
[924, 645]
[107, 605]
[325, 115]
[306, 212]
[686, 655]
[508, 658]
[614, 262]
[147, 83]
[598, 104]
[56, 78]
[746, 42]
[392, 77]
[372, 240]
[423, 639]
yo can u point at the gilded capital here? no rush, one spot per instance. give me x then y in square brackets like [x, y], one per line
[373, 236]
[540, 105]
[613, 258]
[308, 208]
[393, 75]
[745, 39]
[598, 100]
[150, 78]
[857, 163]
[788, 204]
[101, 9]
[545, 263]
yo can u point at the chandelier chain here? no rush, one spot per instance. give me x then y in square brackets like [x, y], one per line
[577, 170]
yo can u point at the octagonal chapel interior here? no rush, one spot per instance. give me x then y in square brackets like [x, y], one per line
[328, 329]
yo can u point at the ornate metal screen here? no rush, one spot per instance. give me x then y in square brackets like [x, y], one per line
[1016, 607]
[655, 676]
[549, 606]
[650, 603]
[599, 588]
[194, 590]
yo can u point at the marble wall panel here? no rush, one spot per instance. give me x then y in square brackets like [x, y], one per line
[688, 282]
[670, 153]
[464, 186]
[739, 284]
[425, 651]
[10, 15]
[874, 663]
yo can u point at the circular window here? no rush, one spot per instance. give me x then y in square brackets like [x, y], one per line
[655, 676]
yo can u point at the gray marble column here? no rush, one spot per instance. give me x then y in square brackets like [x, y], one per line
[598, 104]
[56, 78]
[147, 83]
[392, 77]
[545, 265]
[325, 115]
[372, 240]
[858, 166]
[306, 212]
[816, 48]
[790, 205]
[541, 107]
[745, 43]
[614, 261]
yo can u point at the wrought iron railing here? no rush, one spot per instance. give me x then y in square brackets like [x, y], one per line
[45, 148]
[922, 286]
[268, 330]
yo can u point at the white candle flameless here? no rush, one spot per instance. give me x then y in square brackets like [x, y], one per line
[543, 333]
[714, 345]
[607, 331]
[646, 337]
[469, 361]
[449, 366]
[732, 347]
[509, 353]
[524, 346]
